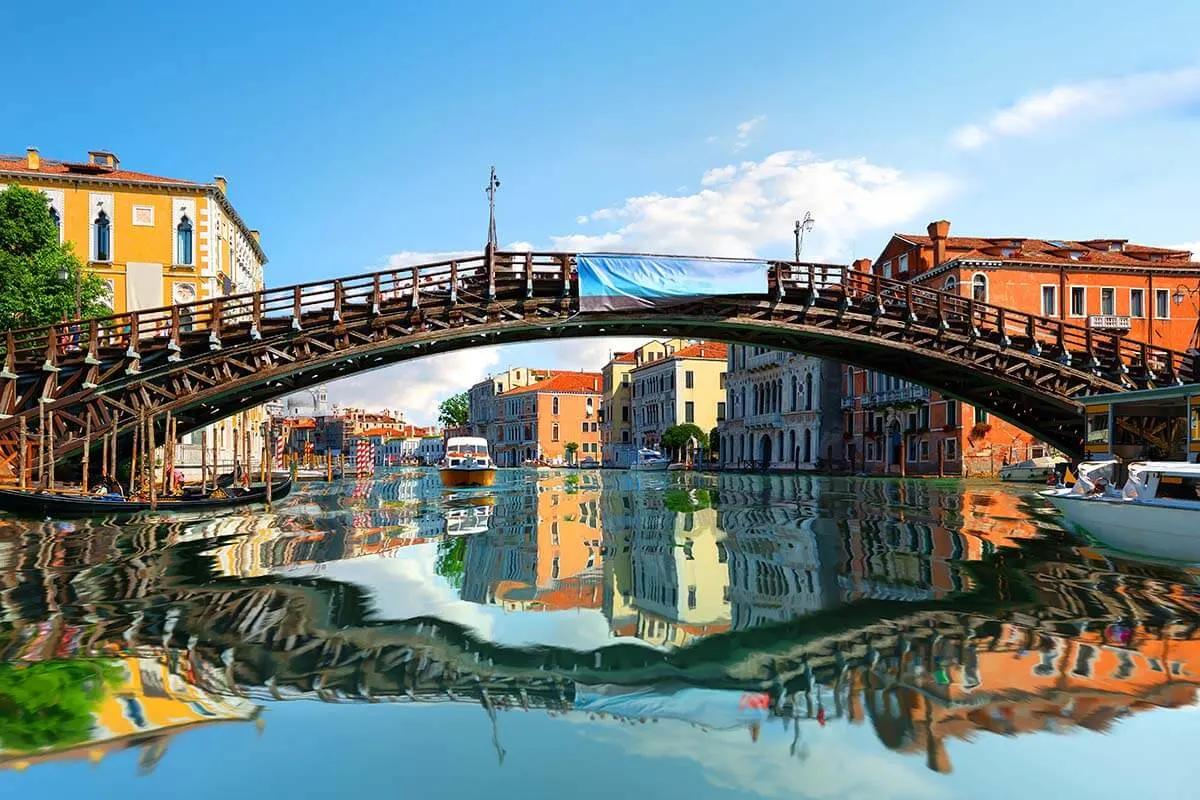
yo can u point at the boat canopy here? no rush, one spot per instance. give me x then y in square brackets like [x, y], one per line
[467, 444]
[1154, 424]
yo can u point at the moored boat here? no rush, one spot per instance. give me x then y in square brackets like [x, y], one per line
[43, 504]
[649, 460]
[467, 463]
[1036, 470]
[1155, 512]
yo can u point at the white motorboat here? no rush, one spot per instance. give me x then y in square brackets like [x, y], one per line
[1155, 513]
[650, 461]
[1036, 470]
[467, 463]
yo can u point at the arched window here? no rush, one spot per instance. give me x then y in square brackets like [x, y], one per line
[779, 395]
[792, 446]
[54, 216]
[808, 392]
[807, 445]
[183, 241]
[102, 234]
[979, 287]
[553, 432]
[951, 284]
[795, 393]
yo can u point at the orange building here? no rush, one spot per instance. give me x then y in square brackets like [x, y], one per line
[1150, 294]
[539, 420]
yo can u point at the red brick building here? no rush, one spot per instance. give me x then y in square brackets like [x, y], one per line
[1148, 293]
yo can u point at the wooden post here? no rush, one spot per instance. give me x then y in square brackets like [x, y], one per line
[268, 453]
[150, 461]
[941, 458]
[23, 454]
[904, 455]
[103, 454]
[237, 435]
[329, 465]
[50, 446]
[215, 452]
[246, 451]
[166, 465]
[41, 459]
[134, 459]
[87, 450]
[204, 461]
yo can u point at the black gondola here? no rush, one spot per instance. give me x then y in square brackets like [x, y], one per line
[41, 505]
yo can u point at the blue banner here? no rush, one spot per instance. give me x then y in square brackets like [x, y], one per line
[611, 282]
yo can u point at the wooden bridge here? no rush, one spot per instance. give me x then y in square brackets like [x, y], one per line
[206, 360]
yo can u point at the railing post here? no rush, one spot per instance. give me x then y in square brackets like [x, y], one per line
[1089, 344]
[1002, 326]
[297, 308]
[489, 266]
[256, 317]
[909, 310]
[528, 274]
[1118, 360]
[52, 345]
[565, 261]
[173, 342]
[10, 356]
[777, 268]
[1035, 347]
[376, 294]
[135, 335]
[454, 283]
[415, 297]
[214, 332]
[339, 293]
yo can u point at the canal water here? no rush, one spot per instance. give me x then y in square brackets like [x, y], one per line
[597, 634]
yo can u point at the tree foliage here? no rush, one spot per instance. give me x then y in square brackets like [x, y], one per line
[451, 560]
[31, 261]
[677, 436]
[714, 441]
[50, 704]
[455, 410]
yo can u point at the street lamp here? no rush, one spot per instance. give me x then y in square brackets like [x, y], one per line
[1180, 293]
[64, 275]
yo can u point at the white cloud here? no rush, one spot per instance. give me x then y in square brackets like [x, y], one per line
[744, 129]
[1191, 247]
[749, 209]
[1088, 100]
[518, 246]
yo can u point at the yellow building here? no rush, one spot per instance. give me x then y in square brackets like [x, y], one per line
[154, 241]
[685, 387]
[616, 406]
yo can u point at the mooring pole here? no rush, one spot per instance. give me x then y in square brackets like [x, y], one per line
[87, 451]
[23, 455]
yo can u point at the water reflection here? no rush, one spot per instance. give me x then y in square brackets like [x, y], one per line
[924, 612]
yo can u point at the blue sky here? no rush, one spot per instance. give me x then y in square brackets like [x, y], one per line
[361, 135]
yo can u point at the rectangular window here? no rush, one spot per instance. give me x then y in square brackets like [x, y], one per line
[689, 412]
[912, 450]
[1097, 429]
[553, 432]
[625, 436]
[1049, 301]
[143, 216]
[1162, 303]
[691, 591]
[981, 416]
[924, 417]
[924, 450]
[689, 379]
[903, 263]
[1078, 301]
[951, 412]
[720, 412]
[585, 427]
[887, 269]
[950, 450]
[722, 380]
[1137, 303]
[624, 413]
[1108, 301]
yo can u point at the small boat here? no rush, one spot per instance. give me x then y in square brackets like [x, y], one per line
[650, 461]
[1155, 513]
[41, 505]
[589, 463]
[1035, 470]
[467, 463]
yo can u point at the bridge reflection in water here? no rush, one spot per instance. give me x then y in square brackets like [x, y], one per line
[929, 612]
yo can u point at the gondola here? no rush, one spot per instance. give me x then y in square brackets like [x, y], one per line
[41, 505]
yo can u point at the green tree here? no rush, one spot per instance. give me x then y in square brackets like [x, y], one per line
[572, 448]
[38, 275]
[678, 436]
[50, 704]
[455, 410]
[451, 560]
[714, 443]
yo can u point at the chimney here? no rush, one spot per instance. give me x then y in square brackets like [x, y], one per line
[257, 239]
[32, 159]
[103, 158]
[861, 265]
[939, 232]
[219, 180]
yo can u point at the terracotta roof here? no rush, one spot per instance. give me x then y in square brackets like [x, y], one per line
[716, 351]
[51, 167]
[624, 358]
[589, 382]
[1056, 251]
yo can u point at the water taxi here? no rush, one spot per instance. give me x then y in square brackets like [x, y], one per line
[1139, 489]
[648, 460]
[1156, 511]
[1035, 470]
[467, 463]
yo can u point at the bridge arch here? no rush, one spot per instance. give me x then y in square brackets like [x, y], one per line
[208, 359]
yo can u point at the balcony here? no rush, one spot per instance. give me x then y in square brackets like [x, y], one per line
[847, 403]
[771, 358]
[892, 397]
[1108, 322]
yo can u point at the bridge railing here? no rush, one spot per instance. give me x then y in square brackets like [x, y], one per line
[1050, 337]
[512, 275]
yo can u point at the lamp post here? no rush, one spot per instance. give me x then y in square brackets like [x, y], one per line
[1181, 292]
[802, 227]
[64, 275]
